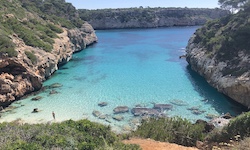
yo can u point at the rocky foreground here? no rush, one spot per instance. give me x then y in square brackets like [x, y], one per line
[19, 76]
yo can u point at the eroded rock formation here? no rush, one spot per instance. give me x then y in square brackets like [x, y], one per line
[149, 17]
[213, 70]
[20, 76]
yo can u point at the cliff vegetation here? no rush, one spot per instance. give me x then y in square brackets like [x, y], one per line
[149, 17]
[35, 37]
[220, 52]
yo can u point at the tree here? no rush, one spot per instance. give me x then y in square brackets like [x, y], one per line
[233, 5]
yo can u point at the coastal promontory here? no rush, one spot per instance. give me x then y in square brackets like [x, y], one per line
[149, 17]
[219, 51]
[35, 38]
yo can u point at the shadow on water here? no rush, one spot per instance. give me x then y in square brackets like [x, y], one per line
[219, 101]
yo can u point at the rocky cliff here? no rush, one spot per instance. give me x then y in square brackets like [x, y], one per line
[149, 17]
[220, 52]
[35, 38]
[20, 76]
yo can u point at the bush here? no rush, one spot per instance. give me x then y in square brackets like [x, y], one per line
[31, 56]
[7, 46]
[81, 134]
[175, 130]
[54, 28]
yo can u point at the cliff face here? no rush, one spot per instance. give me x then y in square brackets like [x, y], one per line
[220, 52]
[35, 38]
[20, 76]
[149, 17]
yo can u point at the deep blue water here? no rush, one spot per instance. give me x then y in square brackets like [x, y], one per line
[127, 67]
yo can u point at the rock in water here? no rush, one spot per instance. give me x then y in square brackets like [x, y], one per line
[118, 117]
[35, 110]
[162, 107]
[121, 109]
[96, 113]
[140, 111]
[102, 104]
[36, 98]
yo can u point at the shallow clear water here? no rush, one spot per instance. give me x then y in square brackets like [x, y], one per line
[126, 67]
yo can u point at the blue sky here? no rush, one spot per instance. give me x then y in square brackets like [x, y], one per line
[98, 4]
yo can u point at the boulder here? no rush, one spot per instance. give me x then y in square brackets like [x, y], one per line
[55, 85]
[121, 109]
[227, 116]
[208, 126]
[118, 117]
[35, 110]
[36, 98]
[220, 122]
[53, 92]
[178, 102]
[96, 113]
[162, 107]
[140, 111]
[102, 104]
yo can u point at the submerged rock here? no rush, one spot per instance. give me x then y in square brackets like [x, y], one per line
[121, 109]
[96, 113]
[53, 92]
[162, 107]
[35, 110]
[102, 116]
[118, 117]
[179, 102]
[55, 85]
[211, 116]
[36, 98]
[102, 104]
[140, 111]
[198, 112]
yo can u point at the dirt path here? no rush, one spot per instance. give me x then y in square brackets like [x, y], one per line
[148, 144]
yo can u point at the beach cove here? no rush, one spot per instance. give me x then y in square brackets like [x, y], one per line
[133, 68]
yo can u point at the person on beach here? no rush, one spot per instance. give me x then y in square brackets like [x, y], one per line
[53, 114]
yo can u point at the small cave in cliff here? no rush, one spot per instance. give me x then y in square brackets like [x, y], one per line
[13, 69]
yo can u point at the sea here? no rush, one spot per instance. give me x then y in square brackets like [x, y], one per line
[126, 67]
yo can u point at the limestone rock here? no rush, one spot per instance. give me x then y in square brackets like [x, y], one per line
[121, 109]
[19, 76]
[236, 87]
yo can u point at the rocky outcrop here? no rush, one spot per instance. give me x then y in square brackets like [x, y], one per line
[20, 76]
[82, 37]
[149, 17]
[213, 70]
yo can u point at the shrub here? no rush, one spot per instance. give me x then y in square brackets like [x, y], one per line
[7, 46]
[176, 130]
[31, 56]
[54, 28]
[81, 134]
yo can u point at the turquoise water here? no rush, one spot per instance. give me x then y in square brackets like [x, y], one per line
[126, 67]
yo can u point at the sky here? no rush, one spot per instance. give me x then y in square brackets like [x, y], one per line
[100, 4]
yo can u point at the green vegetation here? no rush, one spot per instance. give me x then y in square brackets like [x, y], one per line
[226, 38]
[56, 11]
[233, 5]
[82, 135]
[174, 130]
[31, 56]
[36, 22]
[151, 15]
[7, 46]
